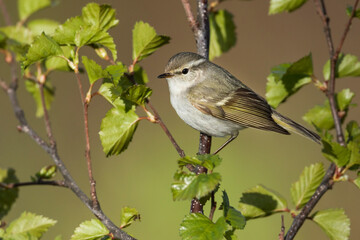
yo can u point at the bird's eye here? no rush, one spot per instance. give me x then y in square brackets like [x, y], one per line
[185, 71]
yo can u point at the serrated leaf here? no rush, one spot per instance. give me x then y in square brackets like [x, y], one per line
[320, 116]
[344, 99]
[7, 196]
[208, 161]
[279, 6]
[354, 149]
[287, 79]
[100, 16]
[20, 34]
[140, 75]
[336, 153]
[90, 230]
[235, 218]
[42, 47]
[310, 179]
[334, 222]
[199, 227]
[39, 26]
[189, 185]
[222, 33]
[117, 129]
[56, 63]
[93, 70]
[34, 89]
[357, 182]
[229, 235]
[29, 224]
[146, 41]
[137, 94]
[116, 72]
[26, 7]
[128, 216]
[349, 10]
[346, 66]
[260, 202]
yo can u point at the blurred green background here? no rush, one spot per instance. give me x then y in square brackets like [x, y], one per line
[141, 176]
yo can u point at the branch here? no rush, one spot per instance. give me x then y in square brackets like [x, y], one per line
[5, 13]
[327, 182]
[282, 231]
[190, 16]
[40, 182]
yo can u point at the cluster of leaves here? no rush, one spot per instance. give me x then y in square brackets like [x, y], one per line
[188, 185]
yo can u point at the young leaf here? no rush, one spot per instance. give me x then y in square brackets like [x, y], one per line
[346, 66]
[93, 70]
[260, 202]
[278, 6]
[140, 75]
[100, 16]
[146, 41]
[19, 34]
[354, 149]
[349, 10]
[42, 47]
[117, 129]
[287, 79]
[56, 63]
[336, 153]
[209, 161]
[137, 94]
[26, 7]
[344, 99]
[232, 216]
[7, 196]
[90, 230]
[200, 227]
[190, 185]
[34, 90]
[128, 216]
[39, 26]
[334, 222]
[320, 116]
[357, 182]
[310, 179]
[29, 224]
[352, 132]
[222, 33]
[116, 72]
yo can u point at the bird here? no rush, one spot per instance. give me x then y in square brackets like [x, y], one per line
[211, 100]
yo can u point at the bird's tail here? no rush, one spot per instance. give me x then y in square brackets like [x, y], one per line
[294, 127]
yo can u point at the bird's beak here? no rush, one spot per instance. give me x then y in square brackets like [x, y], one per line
[166, 75]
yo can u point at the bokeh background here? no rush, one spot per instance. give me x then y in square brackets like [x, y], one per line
[141, 176]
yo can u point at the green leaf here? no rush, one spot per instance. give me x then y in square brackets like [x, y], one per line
[137, 94]
[320, 116]
[117, 129]
[42, 47]
[116, 72]
[199, 227]
[260, 202]
[47, 172]
[34, 90]
[26, 7]
[349, 10]
[344, 99]
[209, 161]
[336, 153]
[7, 196]
[310, 179]
[90, 230]
[93, 70]
[100, 16]
[146, 41]
[232, 216]
[229, 235]
[279, 6]
[29, 224]
[352, 132]
[140, 75]
[334, 222]
[39, 26]
[354, 149]
[19, 34]
[287, 79]
[357, 182]
[189, 185]
[222, 33]
[346, 66]
[128, 216]
[56, 63]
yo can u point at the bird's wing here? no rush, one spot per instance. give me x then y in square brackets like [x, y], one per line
[241, 106]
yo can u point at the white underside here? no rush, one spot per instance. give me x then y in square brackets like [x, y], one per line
[192, 116]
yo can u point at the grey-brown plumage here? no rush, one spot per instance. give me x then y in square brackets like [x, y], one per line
[213, 101]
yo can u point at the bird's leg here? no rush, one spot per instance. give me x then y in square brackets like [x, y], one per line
[226, 143]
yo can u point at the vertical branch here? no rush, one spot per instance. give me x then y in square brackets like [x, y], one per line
[46, 116]
[5, 13]
[327, 182]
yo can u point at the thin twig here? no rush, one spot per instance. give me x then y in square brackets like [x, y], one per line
[213, 206]
[5, 13]
[40, 183]
[46, 116]
[282, 231]
[190, 16]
